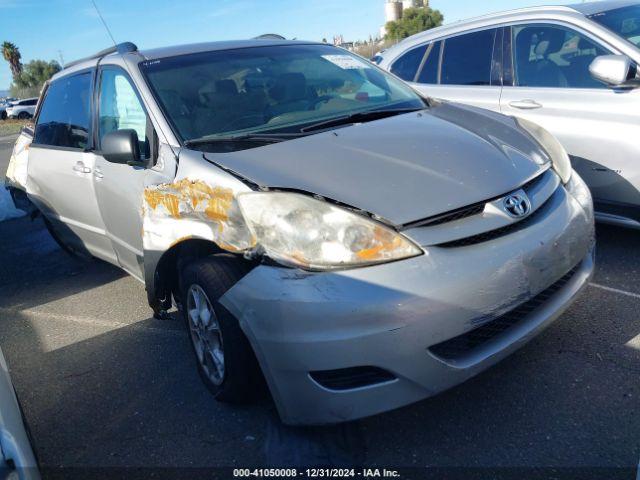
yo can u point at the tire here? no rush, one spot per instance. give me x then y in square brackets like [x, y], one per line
[3, 115]
[24, 115]
[220, 338]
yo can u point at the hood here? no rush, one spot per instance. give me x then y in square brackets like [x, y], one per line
[404, 168]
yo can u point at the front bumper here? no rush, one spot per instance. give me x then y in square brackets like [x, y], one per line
[388, 316]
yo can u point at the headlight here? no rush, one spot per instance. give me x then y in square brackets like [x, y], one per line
[559, 157]
[579, 190]
[309, 233]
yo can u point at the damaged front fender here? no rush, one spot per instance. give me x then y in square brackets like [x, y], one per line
[201, 203]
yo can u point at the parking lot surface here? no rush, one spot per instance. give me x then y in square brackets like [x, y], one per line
[104, 384]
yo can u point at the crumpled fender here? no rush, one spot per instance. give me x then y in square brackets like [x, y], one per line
[200, 203]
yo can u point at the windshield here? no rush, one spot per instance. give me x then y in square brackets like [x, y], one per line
[269, 89]
[623, 21]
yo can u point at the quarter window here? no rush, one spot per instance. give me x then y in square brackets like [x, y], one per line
[467, 58]
[553, 56]
[64, 118]
[120, 108]
[407, 65]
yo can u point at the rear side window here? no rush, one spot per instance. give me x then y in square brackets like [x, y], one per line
[407, 65]
[29, 103]
[64, 118]
[429, 72]
[467, 58]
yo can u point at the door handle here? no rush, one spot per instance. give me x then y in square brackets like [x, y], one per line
[79, 167]
[525, 104]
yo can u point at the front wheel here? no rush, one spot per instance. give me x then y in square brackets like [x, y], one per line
[3, 115]
[226, 362]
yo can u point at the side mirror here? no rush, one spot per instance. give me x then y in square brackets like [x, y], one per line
[614, 70]
[121, 146]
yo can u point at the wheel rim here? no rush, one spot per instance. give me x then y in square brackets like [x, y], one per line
[205, 334]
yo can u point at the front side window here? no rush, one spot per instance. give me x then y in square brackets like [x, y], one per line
[624, 21]
[553, 56]
[466, 59]
[272, 88]
[64, 118]
[407, 65]
[120, 108]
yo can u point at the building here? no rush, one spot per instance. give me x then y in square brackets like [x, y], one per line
[413, 4]
[393, 10]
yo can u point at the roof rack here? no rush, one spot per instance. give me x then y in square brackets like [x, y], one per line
[125, 47]
[269, 36]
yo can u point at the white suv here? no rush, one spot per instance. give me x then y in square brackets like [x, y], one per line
[23, 109]
[572, 70]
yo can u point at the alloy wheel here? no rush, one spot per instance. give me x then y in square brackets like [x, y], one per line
[206, 335]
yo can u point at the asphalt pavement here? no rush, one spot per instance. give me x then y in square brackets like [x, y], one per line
[103, 384]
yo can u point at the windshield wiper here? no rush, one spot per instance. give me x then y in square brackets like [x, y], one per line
[358, 117]
[249, 137]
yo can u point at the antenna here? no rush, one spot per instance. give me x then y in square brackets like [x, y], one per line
[103, 22]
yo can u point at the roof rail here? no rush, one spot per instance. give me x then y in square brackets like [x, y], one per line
[125, 47]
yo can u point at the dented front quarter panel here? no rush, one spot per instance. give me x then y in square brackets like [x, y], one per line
[200, 203]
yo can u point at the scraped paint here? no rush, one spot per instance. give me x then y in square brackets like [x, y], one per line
[189, 208]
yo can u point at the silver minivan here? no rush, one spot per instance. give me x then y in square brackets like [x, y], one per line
[573, 70]
[317, 222]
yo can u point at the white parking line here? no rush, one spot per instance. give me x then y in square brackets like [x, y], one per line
[111, 325]
[615, 290]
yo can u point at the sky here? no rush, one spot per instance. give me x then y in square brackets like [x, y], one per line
[71, 29]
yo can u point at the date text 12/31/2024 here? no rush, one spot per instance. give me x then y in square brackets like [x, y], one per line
[316, 473]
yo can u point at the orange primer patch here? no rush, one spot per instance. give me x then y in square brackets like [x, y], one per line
[192, 193]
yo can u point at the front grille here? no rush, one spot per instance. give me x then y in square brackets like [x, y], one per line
[462, 345]
[493, 234]
[469, 210]
[353, 377]
[452, 216]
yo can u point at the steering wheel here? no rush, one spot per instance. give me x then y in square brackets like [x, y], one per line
[238, 122]
[314, 102]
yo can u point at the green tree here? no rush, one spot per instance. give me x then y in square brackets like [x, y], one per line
[30, 81]
[414, 20]
[11, 54]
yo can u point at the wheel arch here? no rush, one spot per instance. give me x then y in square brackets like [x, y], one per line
[162, 269]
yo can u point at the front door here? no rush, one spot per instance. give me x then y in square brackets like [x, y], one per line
[120, 187]
[597, 125]
[61, 167]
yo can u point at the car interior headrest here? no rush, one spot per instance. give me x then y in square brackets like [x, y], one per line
[555, 39]
[289, 87]
[524, 39]
[226, 86]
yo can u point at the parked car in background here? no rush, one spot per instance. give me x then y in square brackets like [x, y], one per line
[22, 109]
[16, 455]
[313, 217]
[573, 70]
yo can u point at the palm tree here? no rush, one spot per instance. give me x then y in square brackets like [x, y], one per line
[11, 54]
